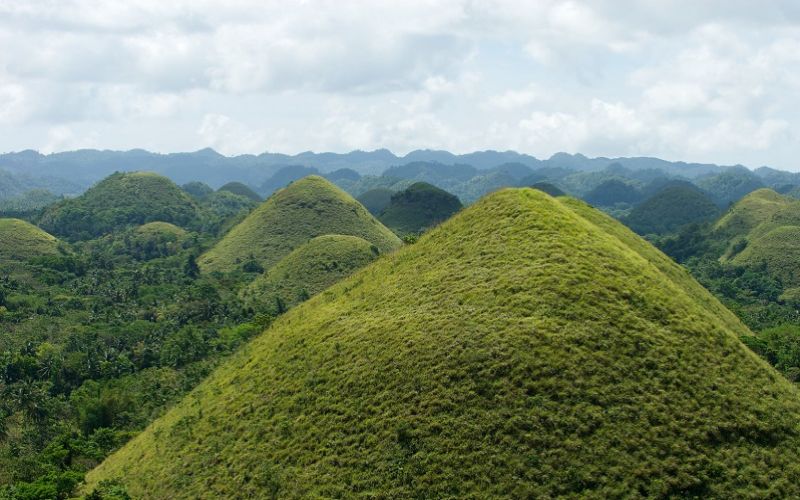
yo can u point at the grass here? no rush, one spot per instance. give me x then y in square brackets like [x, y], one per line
[749, 212]
[20, 240]
[307, 208]
[528, 347]
[308, 270]
[779, 249]
[419, 207]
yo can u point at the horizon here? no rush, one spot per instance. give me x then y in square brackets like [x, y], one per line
[713, 83]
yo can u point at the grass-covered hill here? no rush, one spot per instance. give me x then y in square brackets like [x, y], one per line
[309, 269]
[671, 208]
[307, 208]
[530, 346]
[418, 207]
[375, 200]
[121, 200]
[23, 240]
[779, 249]
[241, 190]
[753, 209]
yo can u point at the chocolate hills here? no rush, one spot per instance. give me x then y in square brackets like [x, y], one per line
[120, 200]
[309, 269]
[307, 208]
[20, 240]
[530, 346]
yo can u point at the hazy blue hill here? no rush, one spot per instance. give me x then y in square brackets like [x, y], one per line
[480, 185]
[284, 177]
[730, 185]
[375, 200]
[419, 207]
[548, 188]
[516, 170]
[439, 174]
[612, 192]
[343, 174]
[241, 189]
[669, 209]
[776, 178]
[197, 189]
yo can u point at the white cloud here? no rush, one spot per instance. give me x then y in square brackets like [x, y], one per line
[707, 81]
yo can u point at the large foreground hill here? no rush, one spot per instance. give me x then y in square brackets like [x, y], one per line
[528, 347]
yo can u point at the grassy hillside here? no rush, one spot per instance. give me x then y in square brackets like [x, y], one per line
[671, 208]
[418, 207]
[779, 249]
[308, 270]
[241, 190]
[121, 200]
[305, 209]
[528, 347]
[755, 208]
[22, 240]
[375, 200]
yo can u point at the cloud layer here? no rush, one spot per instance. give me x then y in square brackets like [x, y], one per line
[705, 81]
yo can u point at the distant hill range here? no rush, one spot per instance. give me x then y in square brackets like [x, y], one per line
[468, 176]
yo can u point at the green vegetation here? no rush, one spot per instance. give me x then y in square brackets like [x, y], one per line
[548, 188]
[779, 250]
[20, 240]
[305, 209]
[242, 190]
[730, 185]
[418, 207]
[308, 270]
[757, 207]
[670, 209]
[376, 200]
[119, 201]
[612, 192]
[531, 346]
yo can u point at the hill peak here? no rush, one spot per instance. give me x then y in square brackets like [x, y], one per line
[304, 209]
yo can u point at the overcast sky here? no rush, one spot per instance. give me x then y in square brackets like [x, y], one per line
[715, 81]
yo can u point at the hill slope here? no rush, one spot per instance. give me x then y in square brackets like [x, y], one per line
[22, 240]
[753, 209]
[528, 347]
[308, 270]
[418, 207]
[121, 200]
[305, 209]
[242, 190]
[671, 208]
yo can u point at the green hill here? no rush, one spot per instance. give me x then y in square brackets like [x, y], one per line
[306, 208]
[376, 200]
[753, 209]
[730, 185]
[611, 192]
[241, 190]
[671, 208]
[308, 270]
[120, 200]
[418, 207]
[529, 347]
[548, 188]
[20, 240]
[779, 249]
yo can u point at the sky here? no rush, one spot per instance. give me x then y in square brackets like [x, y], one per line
[708, 81]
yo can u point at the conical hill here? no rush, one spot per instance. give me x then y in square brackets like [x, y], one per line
[307, 208]
[529, 347]
[20, 240]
